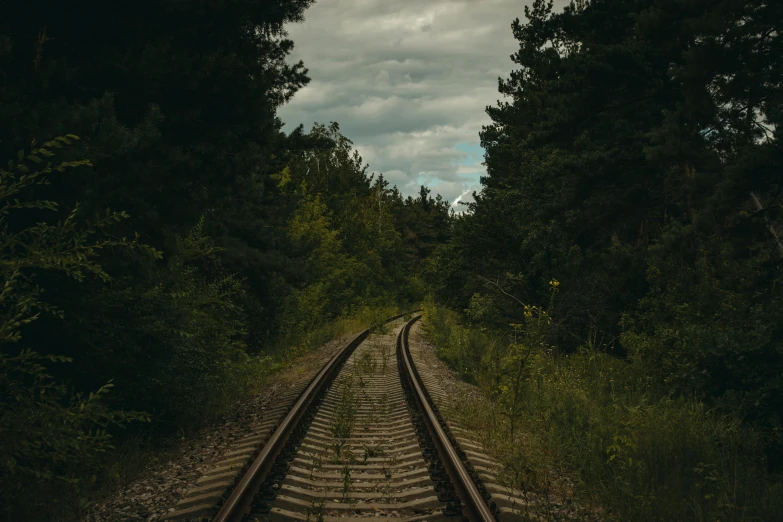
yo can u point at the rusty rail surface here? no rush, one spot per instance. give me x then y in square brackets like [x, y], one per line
[473, 504]
[241, 498]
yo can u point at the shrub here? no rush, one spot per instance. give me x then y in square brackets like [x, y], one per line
[711, 328]
[48, 434]
[601, 420]
[172, 336]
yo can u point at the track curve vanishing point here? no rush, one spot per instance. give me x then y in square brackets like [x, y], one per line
[362, 440]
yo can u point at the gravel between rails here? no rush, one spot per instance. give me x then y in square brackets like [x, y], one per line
[360, 457]
[151, 496]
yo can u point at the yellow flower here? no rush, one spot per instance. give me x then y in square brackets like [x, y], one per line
[554, 283]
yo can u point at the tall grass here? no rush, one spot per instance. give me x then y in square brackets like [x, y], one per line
[461, 347]
[595, 425]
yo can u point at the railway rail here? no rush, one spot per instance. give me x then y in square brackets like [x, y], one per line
[363, 439]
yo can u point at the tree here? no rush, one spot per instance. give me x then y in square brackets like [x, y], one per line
[176, 104]
[47, 431]
[622, 163]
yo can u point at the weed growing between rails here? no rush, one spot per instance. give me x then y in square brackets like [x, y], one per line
[343, 424]
[359, 406]
[592, 424]
[380, 328]
[386, 355]
[316, 512]
[347, 482]
[367, 364]
[372, 452]
[317, 465]
[385, 485]
[344, 415]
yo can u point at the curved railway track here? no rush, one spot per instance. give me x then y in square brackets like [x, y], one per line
[362, 439]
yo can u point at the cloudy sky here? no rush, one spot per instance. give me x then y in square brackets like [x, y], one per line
[408, 82]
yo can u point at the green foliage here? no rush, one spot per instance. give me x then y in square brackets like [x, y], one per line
[644, 458]
[335, 277]
[179, 124]
[637, 455]
[274, 242]
[171, 341]
[175, 339]
[47, 432]
[710, 329]
[636, 157]
[344, 413]
[456, 345]
[346, 232]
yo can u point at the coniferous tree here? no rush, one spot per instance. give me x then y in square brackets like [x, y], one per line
[636, 160]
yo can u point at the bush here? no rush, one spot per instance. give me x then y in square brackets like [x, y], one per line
[49, 435]
[460, 347]
[710, 329]
[637, 454]
[172, 336]
[644, 457]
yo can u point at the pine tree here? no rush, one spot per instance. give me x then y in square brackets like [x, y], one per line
[636, 159]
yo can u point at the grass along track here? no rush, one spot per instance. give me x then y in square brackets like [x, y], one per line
[355, 443]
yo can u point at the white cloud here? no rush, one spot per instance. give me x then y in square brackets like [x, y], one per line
[407, 81]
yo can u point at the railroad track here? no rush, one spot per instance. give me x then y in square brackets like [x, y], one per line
[362, 439]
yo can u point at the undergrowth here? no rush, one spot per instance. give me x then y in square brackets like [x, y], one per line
[135, 454]
[297, 343]
[595, 425]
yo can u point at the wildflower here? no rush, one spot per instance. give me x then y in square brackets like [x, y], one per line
[554, 283]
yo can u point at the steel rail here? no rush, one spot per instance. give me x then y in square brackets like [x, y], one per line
[240, 501]
[473, 505]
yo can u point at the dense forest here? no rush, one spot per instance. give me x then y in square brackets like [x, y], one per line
[628, 229]
[637, 162]
[162, 238]
[613, 287]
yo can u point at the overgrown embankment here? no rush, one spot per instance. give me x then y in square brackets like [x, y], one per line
[601, 421]
[227, 241]
[100, 332]
[636, 157]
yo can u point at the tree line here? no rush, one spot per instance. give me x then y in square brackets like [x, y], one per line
[635, 159]
[162, 237]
